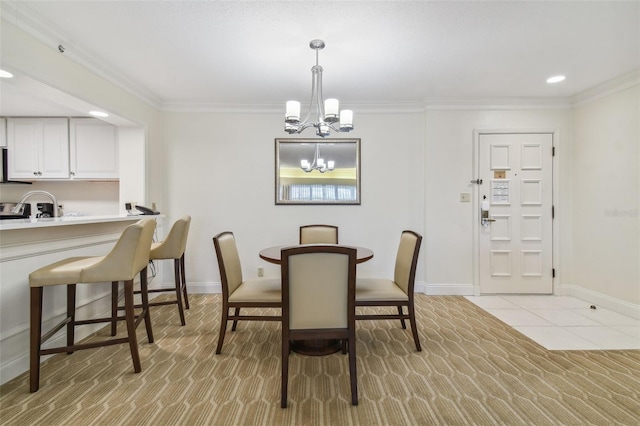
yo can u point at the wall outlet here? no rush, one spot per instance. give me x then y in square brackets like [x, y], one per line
[260, 271]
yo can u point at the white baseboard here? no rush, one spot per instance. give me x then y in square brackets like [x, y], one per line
[420, 287]
[625, 308]
[446, 289]
[204, 288]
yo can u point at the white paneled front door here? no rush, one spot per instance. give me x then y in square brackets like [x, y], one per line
[515, 238]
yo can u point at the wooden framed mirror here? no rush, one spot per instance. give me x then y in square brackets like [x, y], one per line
[317, 171]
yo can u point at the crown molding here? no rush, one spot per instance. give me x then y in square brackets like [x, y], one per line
[19, 15]
[278, 108]
[515, 103]
[607, 88]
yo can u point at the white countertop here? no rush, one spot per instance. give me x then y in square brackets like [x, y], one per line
[10, 224]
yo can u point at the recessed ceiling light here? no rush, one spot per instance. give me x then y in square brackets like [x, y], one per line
[556, 79]
[5, 74]
[98, 114]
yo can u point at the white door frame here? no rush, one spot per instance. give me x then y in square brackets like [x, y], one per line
[476, 200]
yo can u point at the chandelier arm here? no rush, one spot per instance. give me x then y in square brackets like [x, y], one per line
[319, 96]
[334, 128]
[313, 92]
[305, 125]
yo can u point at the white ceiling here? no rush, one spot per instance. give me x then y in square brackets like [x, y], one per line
[181, 53]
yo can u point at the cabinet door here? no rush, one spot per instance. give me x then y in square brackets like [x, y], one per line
[3, 132]
[38, 148]
[23, 144]
[94, 149]
[54, 158]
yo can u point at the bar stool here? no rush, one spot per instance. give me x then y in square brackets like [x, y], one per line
[129, 256]
[173, 247]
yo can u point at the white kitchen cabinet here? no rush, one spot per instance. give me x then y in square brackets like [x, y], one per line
[3, 132]
[38, 148]
[94, 149]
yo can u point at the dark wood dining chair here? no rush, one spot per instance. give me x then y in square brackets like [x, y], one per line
[318, 234]
[318, 302]
[399, 291]
[239, 293]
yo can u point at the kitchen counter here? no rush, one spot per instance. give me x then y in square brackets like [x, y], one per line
[11, 224]
[28, 244]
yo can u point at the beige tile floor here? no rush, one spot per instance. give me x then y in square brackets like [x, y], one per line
[563, 322]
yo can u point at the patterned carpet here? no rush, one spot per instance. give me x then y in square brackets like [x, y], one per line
[473, 370]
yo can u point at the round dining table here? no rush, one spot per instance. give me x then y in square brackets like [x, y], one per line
[313, 347]
[272, 254]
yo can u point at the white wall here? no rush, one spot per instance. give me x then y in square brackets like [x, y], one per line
[449, 166]
[220, 169]
[606, 196]
[85, 198]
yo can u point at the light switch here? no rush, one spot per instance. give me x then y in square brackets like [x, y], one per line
[465, 197]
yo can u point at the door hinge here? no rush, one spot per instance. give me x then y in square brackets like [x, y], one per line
[553, 151]
[553, 272]
[553, 212]
[477, 181]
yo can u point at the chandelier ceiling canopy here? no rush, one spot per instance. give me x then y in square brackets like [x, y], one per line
[324, 115]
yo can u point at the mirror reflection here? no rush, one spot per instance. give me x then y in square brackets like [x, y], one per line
[314, 171]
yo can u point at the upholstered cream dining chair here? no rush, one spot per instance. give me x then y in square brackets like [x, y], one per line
[128, 258]
[399, 291]
[318, 234]
[318, 302]
[239, 293]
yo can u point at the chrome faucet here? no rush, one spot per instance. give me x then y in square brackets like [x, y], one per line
[19, 208]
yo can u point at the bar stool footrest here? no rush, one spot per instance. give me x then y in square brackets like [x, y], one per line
[82, 346]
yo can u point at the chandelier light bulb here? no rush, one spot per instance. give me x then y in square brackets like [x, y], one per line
[292, 115]
[346, 120]
[331, 110]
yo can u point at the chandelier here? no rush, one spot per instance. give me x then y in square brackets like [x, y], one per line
[318, 163]
[328, 115]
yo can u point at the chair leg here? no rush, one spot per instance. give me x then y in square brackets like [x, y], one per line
[414, 328]
[223, 326]
[235, 321]
[184, 283]
[71, 315]
[176, 270]
[35, 337]
[114, 307]
[144, 294]
[353, 375]
[285, 372]
[404, 326]
[131, 325]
